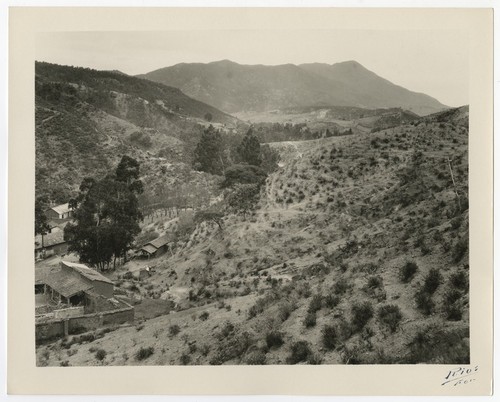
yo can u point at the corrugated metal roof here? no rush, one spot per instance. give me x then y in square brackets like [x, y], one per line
[89, 273]
[161, 241]
[66, 284]
[148, 248]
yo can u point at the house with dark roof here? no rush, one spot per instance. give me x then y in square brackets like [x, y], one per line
[71, 283]
[73, 298]
[156, 247]
[62, 211]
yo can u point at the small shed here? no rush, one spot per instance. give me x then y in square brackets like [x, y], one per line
[156, 247]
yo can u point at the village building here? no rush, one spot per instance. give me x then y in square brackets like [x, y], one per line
[72, 284]
[50, 244]
[71, 298]
[62, 211]
[156, 247]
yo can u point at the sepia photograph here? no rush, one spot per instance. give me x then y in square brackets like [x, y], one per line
[250, 201]
[251, 197]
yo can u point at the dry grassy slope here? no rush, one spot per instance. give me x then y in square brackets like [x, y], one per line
[335, 225]
[86, 120]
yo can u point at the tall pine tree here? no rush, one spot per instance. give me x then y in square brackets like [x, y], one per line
[209, 153]
[249, 149]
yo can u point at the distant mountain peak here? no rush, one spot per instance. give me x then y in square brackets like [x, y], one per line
[234, 87]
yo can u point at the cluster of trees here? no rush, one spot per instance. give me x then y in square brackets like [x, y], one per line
[106, 216]
[278, 132]
[216, 152]
[244, 165]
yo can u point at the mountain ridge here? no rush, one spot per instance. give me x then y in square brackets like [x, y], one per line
[234, 87]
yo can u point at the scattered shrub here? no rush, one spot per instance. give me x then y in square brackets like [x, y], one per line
[408, 271]
[285, 309]
[341, 286]
[432, 281]
[361, 314]
[390, 315]
[329, 337]
[204, 316]
[331, 301]
[144, 353]
[375, 282]
[310, 320]
[315, 304]
[300, 352]
[185, 359]
[174, 330]
[100, 354]
[451, 304]
[424, 302]
[459, 280]
[274, 339]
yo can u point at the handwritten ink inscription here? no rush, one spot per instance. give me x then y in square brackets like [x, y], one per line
[460, 376]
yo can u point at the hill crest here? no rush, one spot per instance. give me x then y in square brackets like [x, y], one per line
[234, 87]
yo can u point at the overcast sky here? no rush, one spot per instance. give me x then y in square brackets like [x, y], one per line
[432, 62]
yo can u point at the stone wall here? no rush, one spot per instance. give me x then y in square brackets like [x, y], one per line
[62, 327]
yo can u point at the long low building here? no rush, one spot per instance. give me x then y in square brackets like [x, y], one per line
[71, 283]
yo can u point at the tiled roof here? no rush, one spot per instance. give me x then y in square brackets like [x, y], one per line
[66, 284]
[89, 273]
[42, 272]
[49, 240]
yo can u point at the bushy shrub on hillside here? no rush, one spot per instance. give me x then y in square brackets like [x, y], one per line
[390, 315]
[375, 282]
[100, 354]
[300, 352]
[310, 320]
[243, 174]
[459, 280]
[361, 314]
[274, 339]
[204, 316]
[332, 301]
[408, 271]
[451, 304]
[432, 281]
[315, 304]
[341, 286]
[329, 337]
[144, 353]
[174, 330]
[424, 302]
